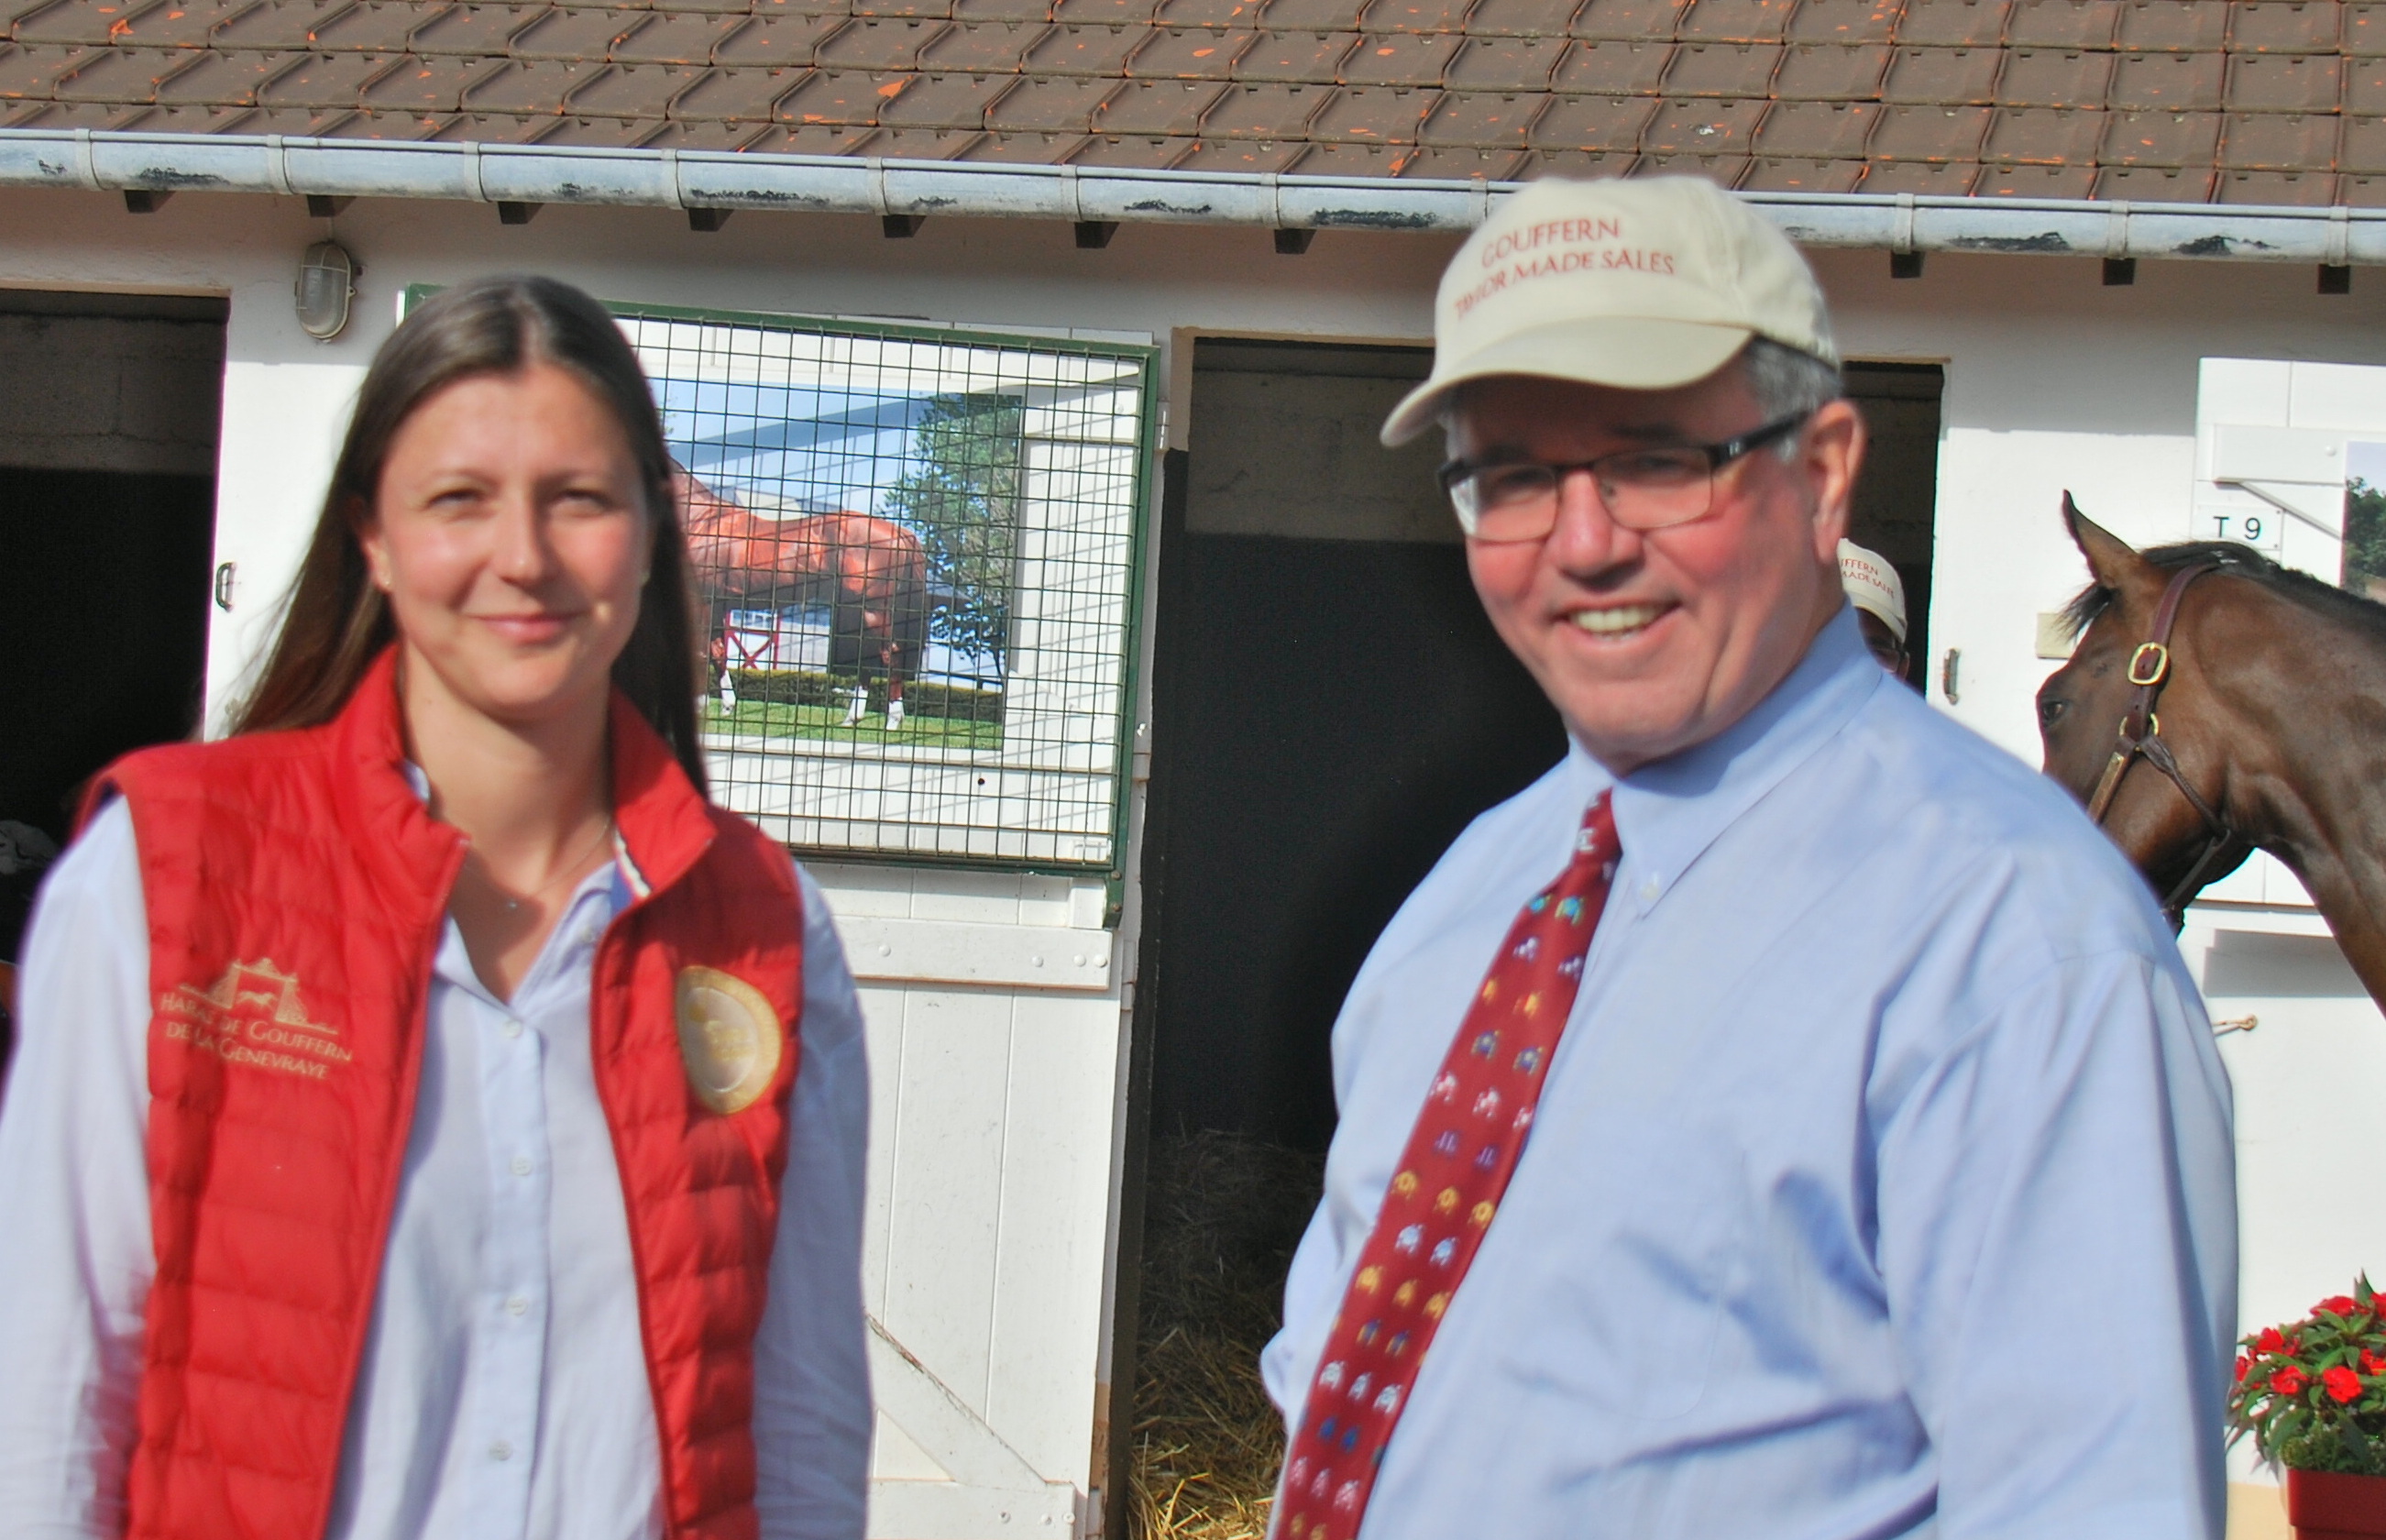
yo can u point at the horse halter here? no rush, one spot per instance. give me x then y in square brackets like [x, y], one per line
[2140, 738]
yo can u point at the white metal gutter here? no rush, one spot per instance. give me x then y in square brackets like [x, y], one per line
[716, 180]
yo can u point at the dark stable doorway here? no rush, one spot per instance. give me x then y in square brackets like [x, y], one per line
[1896, 502]
[95, 667]
[107, 449]
[1330, 709]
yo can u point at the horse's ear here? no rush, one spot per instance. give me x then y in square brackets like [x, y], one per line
[2114, 561]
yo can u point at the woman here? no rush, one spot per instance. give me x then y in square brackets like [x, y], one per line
[407, 1136]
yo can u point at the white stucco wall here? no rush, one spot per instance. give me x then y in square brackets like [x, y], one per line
[992, 1170]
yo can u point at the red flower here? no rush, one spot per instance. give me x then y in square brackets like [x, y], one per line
[2371, 1364]
[2342, 1383]
[2338, 1304]
[2244, 1363]
[2288, 1381]
[2269, 1341]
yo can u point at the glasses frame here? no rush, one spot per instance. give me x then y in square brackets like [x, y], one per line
[1718, 456]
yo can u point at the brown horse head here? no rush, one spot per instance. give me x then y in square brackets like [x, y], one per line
[2272, 705]
[2085, 708]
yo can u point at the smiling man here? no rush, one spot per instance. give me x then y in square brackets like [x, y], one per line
[1788, 1117]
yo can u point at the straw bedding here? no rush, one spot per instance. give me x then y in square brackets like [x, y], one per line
[1223, 1215]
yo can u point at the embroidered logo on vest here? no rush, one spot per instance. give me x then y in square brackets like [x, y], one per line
[729, 1038]
[253, 1016]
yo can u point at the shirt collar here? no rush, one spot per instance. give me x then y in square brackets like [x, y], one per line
[1668, 812]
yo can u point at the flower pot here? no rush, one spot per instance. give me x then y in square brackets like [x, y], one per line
[2325, 1505]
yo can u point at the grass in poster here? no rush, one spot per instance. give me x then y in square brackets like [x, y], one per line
[776, 719]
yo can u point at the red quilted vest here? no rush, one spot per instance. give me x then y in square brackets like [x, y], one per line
[297, 892]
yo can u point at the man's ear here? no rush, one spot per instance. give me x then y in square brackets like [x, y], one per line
[1831, 454]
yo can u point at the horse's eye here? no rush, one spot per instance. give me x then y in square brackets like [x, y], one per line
[2051, 711]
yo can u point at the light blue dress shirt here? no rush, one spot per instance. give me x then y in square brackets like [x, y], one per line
[503, 1392]
[1882, 1182]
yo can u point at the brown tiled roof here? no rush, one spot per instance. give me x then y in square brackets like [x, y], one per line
[2230, 101]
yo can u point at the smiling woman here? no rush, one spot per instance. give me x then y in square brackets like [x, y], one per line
[487, 336]
[510, 540]
[472, 1019]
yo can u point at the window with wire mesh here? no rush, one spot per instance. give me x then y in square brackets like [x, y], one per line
[914, 559]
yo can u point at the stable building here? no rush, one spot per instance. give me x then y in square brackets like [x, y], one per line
[1131, 284]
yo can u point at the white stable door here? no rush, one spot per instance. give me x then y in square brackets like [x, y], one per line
[2277, 442]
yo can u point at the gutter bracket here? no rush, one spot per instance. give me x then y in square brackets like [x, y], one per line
[86, 169]
[877, 173]
[2340, 236]
[1073, 196]
[473, 187]
[277, 165]
[1274, 184]
[2117, 231]
[670, 169]
[1900, 239]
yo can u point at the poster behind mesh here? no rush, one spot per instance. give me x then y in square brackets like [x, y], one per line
[911, 560]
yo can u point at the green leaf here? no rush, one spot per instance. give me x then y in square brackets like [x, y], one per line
[2348, 1432]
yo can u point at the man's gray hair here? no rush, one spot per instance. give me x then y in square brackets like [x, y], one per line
[1786, 383]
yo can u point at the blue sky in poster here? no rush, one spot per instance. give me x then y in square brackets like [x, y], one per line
[812, 445]
[2366, 461]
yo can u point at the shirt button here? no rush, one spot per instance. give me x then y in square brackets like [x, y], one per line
[1649, 892]
[522, 1165]
[501, 1450]
[512, 1028]
[518, 1305]
[588, 935]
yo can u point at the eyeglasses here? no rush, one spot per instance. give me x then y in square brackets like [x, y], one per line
[1642, 489]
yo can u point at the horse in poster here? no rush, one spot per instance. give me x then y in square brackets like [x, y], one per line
[872, 571]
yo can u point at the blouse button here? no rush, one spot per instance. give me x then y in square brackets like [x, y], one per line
[512, 1028]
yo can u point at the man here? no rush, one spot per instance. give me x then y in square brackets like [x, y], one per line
[1878, 595]
[1879, 1180]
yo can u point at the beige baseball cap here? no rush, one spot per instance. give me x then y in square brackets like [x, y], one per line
[1872, 586]
[1642, 285]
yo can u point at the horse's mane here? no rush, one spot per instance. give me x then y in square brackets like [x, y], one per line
[2241, 561]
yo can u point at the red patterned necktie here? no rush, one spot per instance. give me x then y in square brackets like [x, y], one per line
[1451, 1179]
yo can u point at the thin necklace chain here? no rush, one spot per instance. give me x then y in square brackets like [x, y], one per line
[513, 902]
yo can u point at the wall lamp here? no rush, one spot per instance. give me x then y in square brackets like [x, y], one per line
[327, 281]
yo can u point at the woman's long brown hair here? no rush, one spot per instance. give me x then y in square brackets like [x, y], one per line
[336, 622]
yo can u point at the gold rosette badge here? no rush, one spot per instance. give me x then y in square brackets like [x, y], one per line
[729, 1038]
